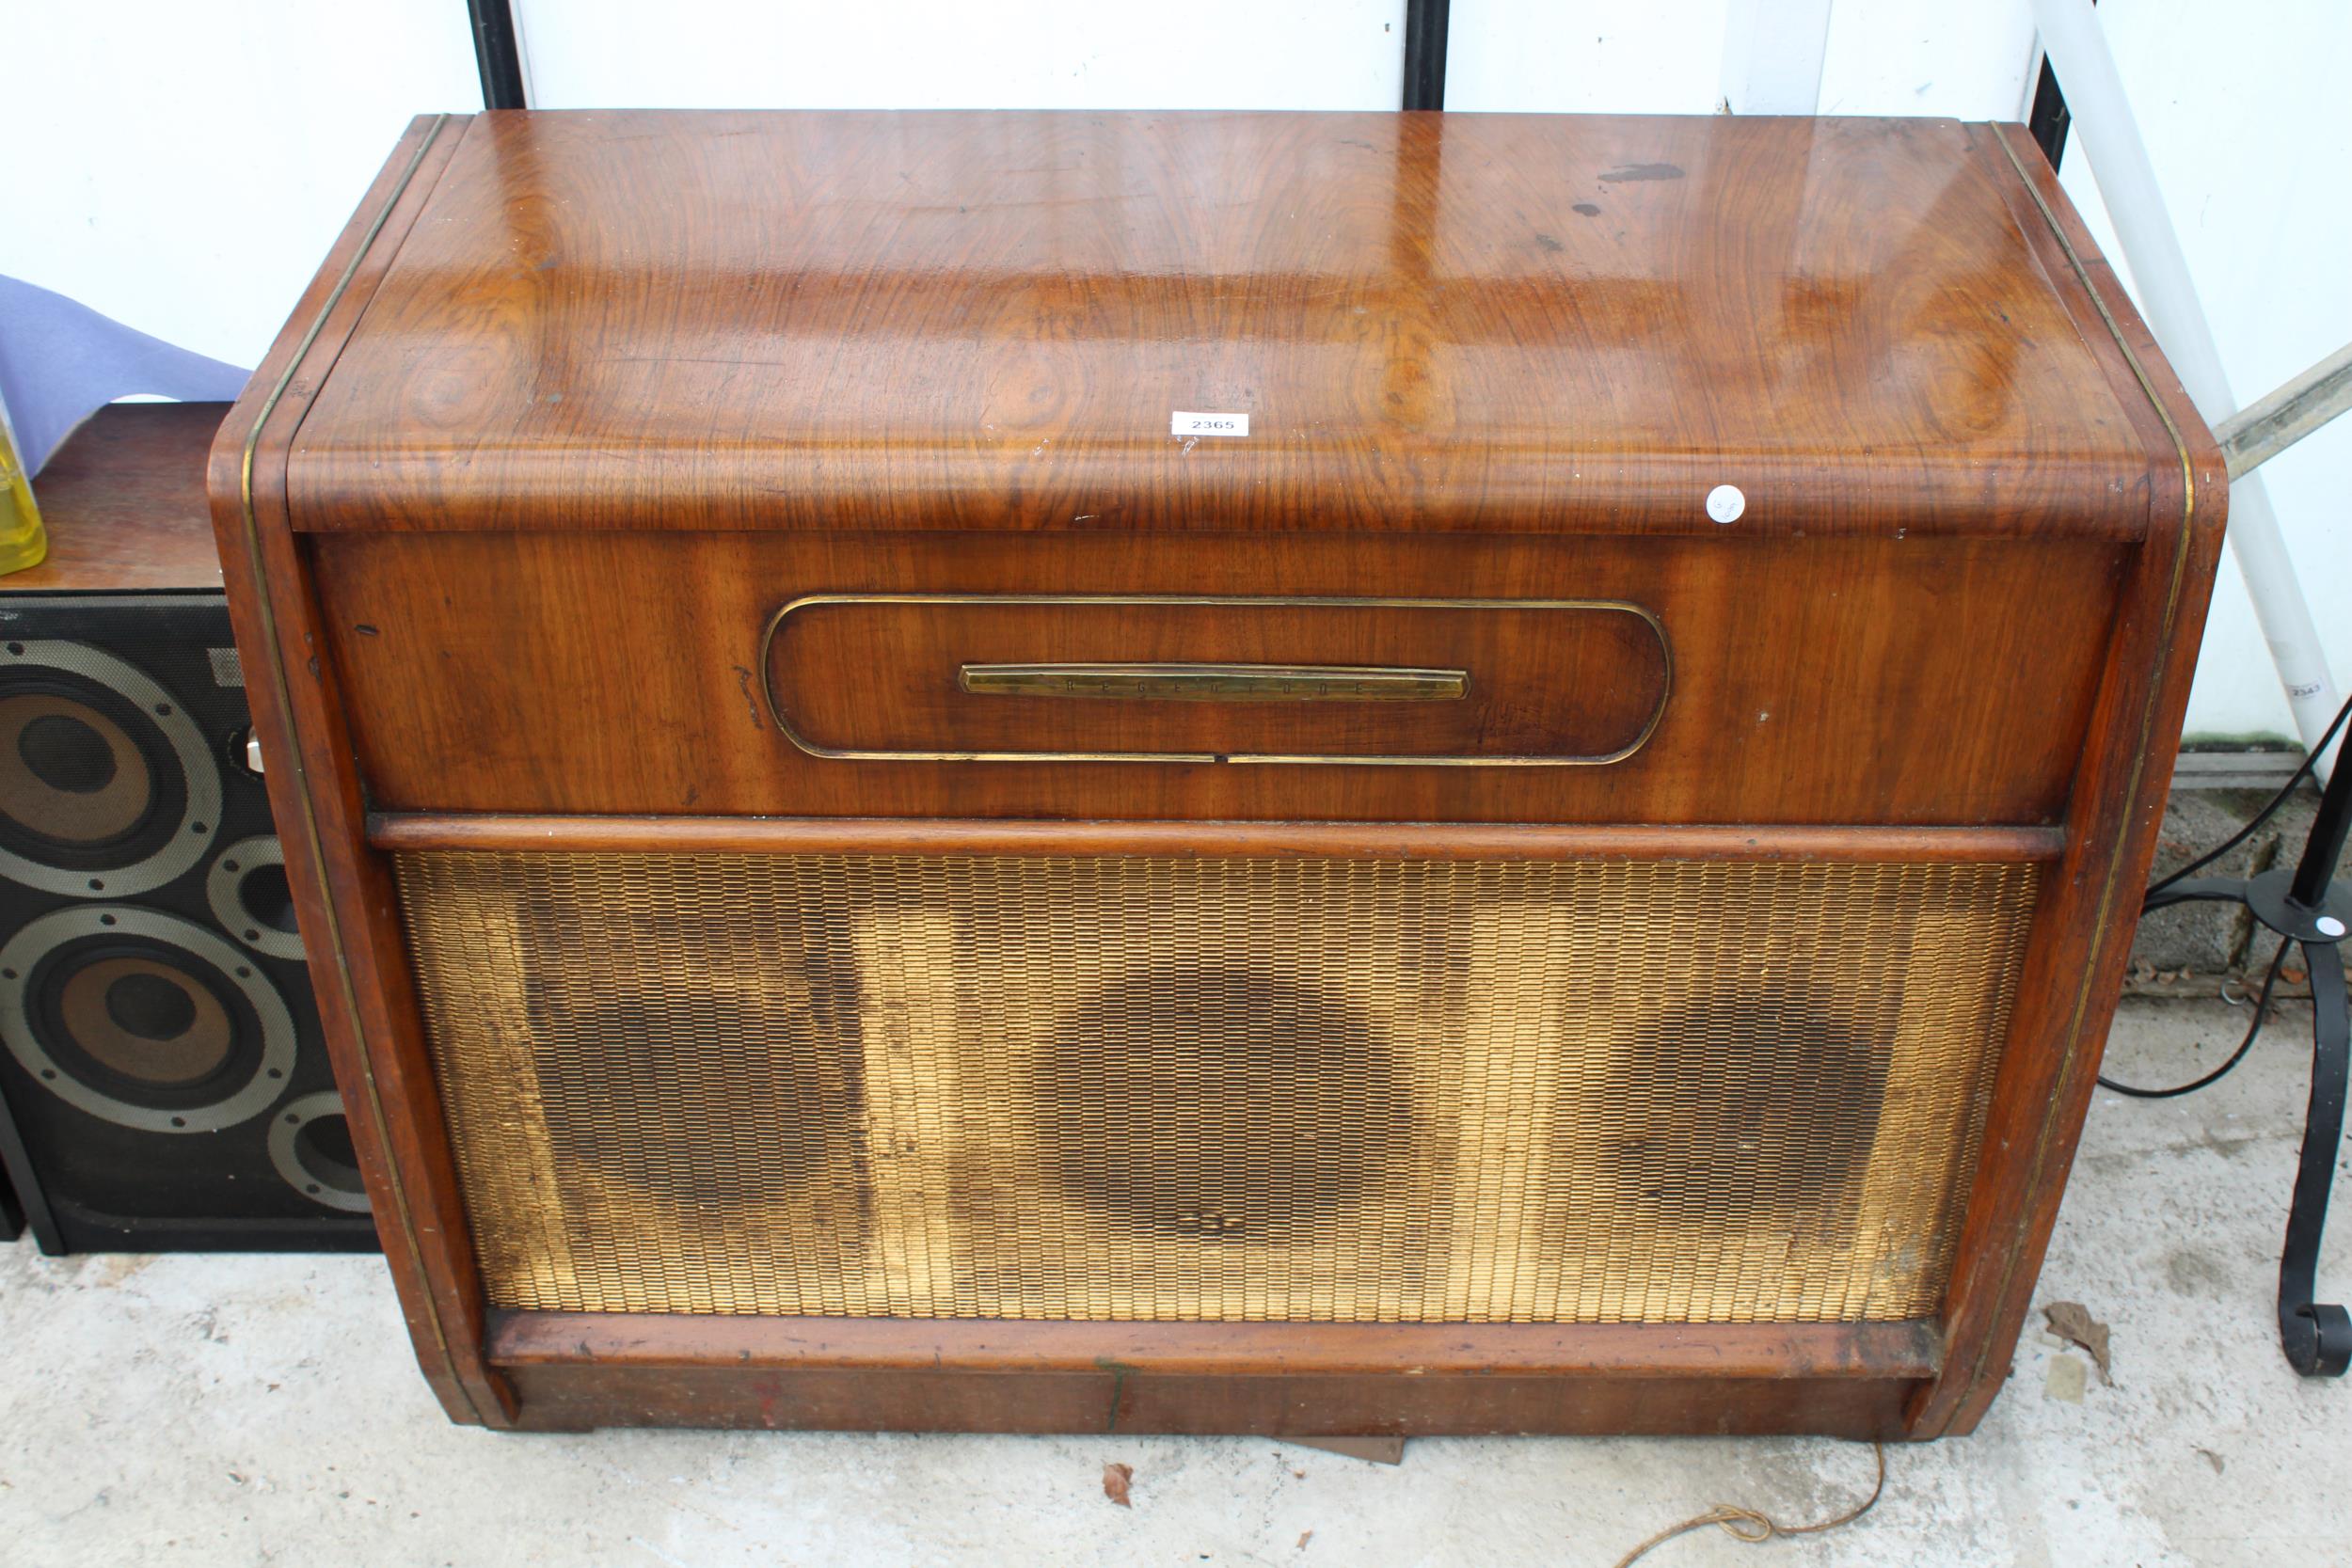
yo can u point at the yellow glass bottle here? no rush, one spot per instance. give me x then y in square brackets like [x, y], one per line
[22, 541]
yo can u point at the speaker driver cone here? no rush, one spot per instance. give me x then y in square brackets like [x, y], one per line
[1221, 1102]
[144, 1020]
[106, 787]
[69, 772]
[1751, 1110]
[309, 1143]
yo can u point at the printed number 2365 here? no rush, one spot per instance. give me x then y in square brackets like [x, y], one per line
[1208, 424]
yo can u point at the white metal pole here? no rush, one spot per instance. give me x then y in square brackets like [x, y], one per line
[2128, 183]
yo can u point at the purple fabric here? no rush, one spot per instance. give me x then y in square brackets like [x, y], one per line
[60, 362]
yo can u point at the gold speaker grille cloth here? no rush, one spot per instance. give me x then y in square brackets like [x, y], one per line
[1269, 1089]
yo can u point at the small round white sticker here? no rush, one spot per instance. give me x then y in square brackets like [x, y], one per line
[1724, 503]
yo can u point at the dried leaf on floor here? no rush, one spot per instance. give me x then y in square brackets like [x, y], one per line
[1116, 1479]
[2072, 1320]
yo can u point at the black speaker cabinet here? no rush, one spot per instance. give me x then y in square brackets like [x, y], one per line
[164, 1080]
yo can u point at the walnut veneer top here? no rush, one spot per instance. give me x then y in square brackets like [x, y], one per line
[123, 501]
[1457, 323]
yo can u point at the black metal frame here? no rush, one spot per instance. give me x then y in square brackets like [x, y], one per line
[2048, 119]
[2304, 906]
[496, 53]
[1425, 25]
[11, 1208]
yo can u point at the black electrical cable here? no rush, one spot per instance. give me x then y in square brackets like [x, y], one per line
[2278, 960]
[2262, 1009]
[2318, 749]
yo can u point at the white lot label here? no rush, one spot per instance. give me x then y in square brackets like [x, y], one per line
[1208, 424]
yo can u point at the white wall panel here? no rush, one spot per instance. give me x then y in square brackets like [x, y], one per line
[930, 54]
[1594, 56]
[183, 167]
[1585, 57]
[2241, 112]
[1928, 57]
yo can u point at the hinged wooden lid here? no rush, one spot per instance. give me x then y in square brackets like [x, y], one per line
[828, 320]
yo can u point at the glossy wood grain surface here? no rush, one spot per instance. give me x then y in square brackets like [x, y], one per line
[124, 502]
[1467, 324]
[1936, 682]
[614, 388]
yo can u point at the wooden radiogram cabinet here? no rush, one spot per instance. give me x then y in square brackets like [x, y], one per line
[1217, 773]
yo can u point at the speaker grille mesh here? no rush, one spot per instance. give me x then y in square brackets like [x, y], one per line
[1136, 1087]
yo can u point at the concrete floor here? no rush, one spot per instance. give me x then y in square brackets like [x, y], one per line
[248, 1410]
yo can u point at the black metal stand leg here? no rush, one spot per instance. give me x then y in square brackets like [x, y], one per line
[2304, 906]
[2317, 1337]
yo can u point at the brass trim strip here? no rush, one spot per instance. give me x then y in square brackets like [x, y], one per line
[492, 832]
[274, 658]
[2047, 1134]
[1641, 613]
[1217, 683]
